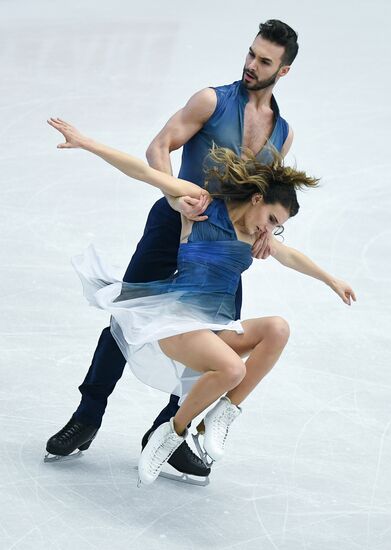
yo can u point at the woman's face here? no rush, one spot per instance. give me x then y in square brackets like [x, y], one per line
[262, 218]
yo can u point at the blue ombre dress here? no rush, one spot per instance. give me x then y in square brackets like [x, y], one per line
[201, 295]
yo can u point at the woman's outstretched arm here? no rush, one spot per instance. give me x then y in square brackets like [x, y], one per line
[294, 259]
[129, 165]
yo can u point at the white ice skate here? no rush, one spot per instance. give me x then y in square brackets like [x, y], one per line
[217, 422]
[163, 442]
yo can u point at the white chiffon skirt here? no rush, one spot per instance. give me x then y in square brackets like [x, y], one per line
[138, 323]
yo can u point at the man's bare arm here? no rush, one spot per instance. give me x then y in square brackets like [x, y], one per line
[287, 143]
[179, 129]
[262, 247]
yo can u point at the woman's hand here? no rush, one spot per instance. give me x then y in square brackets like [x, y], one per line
[73, 138]
[344, 291]
[192, 208]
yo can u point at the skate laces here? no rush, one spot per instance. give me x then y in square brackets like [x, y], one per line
[192, 456]
[159, 453]
[223, 422]
[72, 431]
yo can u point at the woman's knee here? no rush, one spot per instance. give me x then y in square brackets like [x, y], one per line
[278, 330]
[234, 373]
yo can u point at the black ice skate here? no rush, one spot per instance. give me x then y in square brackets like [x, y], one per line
[183, 465]
[74, 436]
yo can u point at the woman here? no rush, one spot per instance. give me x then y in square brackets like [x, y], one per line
[187, 320]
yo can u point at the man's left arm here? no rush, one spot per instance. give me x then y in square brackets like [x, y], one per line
[262, 247]
[287, 143]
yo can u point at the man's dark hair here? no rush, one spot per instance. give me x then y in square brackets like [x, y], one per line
[282, 34]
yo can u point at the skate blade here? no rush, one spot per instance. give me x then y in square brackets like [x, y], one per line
[169, 472]
[173, 475]
[57, 458]
[206, 459]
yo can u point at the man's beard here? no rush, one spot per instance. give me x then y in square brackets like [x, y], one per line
[259, 84]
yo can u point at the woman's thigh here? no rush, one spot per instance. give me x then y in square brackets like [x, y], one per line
[201, 350]
[255, 330]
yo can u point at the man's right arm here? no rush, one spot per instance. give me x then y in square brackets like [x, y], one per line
[179, 129]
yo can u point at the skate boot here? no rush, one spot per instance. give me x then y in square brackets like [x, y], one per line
[74, 435]
[183, 465]
[216, 425]
[162, 443]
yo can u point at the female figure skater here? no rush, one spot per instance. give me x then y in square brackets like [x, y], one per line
[179, 335]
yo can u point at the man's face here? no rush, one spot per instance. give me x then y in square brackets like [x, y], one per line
[263, 66]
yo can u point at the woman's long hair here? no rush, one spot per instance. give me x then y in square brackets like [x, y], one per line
[233, 178]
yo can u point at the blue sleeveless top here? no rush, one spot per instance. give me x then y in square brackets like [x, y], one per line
[225, 129]
[200, 296]
[209, 268]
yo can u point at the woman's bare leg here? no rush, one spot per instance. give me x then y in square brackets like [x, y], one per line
[264, 339]
[203, 351]
[218, 356]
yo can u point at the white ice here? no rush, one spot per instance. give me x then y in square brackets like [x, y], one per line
[308, 463]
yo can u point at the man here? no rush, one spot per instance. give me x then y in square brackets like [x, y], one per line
[242, 114]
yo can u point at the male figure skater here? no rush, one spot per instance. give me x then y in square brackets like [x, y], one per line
[242, 114]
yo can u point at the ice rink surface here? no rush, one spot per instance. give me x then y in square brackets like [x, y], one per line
[308, 464]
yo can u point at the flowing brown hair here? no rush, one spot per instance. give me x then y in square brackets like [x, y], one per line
[231, 177]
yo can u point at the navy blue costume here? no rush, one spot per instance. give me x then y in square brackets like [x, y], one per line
[155, 257]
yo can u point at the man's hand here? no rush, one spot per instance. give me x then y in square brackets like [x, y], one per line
[263, 246]
[193, 209]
